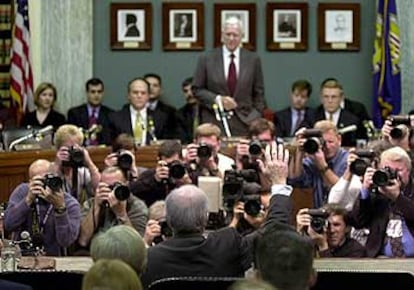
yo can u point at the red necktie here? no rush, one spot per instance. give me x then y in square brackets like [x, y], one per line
[232, 76]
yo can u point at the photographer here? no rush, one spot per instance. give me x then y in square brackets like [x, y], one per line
[112, 205]
[330, 231]
[320, 167]
[398, 131]
[42, 208]
[203, 155]
[80, 175]
[171, 172]
[386, 206]
[157, 229]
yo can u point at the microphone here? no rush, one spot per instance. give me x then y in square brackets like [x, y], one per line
[347, 129]
[37, 134]
[216, 112]
[25, 236]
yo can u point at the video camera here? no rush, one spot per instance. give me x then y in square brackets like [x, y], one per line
[204, 151]
[397, 132]
[121, 191]
[124, 160]
[383, 177]
[364, 160]
[318, 221]
[239, 185]
[54, 182]
[313, 141]
[76, 158]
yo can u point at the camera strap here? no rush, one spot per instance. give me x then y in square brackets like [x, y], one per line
[38, 225]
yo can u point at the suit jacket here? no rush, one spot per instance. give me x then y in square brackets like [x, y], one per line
[222, 253]
[8, 285]
[186, 115]
[346, 118]
[210, 81]
[165, 121]
[283, 121]
[357, 108]
[79, 116]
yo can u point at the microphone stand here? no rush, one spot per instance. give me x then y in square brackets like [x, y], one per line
[223, 116]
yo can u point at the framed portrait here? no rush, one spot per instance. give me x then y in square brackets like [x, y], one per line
[286, 26]
[183, 26]
[245, 12]
[131, 25]
[339, 26]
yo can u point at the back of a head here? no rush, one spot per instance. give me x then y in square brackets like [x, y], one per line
[250, 284]
[121, 242]
[111, 275]
[187, 210]
[284, 259]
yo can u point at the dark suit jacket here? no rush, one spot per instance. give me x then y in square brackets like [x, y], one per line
[357, 108]
[210, 81]
[283, 121]
[186, 117]
[79, 116]
[222, 253]
[54, 118]
[346, 118]
[8, 285]
[165, 121]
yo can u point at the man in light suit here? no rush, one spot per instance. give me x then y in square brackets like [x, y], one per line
[244, 95]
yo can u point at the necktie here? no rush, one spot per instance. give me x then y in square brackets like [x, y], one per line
[93, 120]
[330, 117]
[232, 76]
[299, 119]
[397, 247]
[138, 129]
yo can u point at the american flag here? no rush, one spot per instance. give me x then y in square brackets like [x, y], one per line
[21, 78]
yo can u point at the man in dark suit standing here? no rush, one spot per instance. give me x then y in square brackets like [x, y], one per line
[93, 113]
[233, 75]
[163, 115]
[298, 115]
[188, 115]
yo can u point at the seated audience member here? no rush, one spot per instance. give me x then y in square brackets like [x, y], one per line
[221, 253]
[331, 97]
[111, 275]
[123, 156]
[322, 166]
[80, 175]
[45, 98]
[203, 154]
[157, 229]
[92, 113]
[112, 205]
[386, 206]
[284, 259]
[121, 242]
[188, 115]
[298, 115]
[330, 233]
[155, 184]
[43, 208]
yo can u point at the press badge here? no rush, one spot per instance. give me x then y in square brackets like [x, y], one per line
[394, 228]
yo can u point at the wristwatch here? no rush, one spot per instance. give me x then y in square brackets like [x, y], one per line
[60, 210]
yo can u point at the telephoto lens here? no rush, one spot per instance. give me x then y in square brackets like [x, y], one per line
[121, 191]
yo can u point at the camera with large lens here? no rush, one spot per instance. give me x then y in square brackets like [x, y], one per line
[121, 191]
[383, 177]
[76, 158]
[124, 160]
[240, 185]
[364, 160]
[313, 141]
[204, 151]
[52, 181]
[256, 147]
[398, 131]
[318, 221]
[177, 169]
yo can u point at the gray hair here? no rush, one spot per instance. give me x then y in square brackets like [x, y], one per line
[233, 20]
[187, 209]
[397, 154]
[121, 242]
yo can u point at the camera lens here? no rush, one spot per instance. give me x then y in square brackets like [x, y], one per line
[358, 167]
[311, 146]
[204, 151]
[124, 161]
[396, 133]
[252, 207]
[177, 170]
[318, 224]
[54, 182]
[255, 148]
[121, 192]
[381, 178]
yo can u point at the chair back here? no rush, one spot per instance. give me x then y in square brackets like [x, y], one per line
[190, 283]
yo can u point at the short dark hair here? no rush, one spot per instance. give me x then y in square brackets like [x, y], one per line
[94, 82]
[170, 147]
[139, 79]
[284, 258]
[337, 209]
[187, 81]
[123, 141]
[331, 83]
[302, 85]
[153, 75]
[260, 125]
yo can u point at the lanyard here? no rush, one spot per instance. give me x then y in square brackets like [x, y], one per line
[38, 225]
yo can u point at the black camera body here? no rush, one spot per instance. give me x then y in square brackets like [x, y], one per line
[121, 191]
[383, 177]
[313, 141]
[319, 217]
[54, 182]
[177, 169]
[364, 160]
[256, 147]
[397, 132]
[234, 190]
[76, 158]
[166, 232]
[124, 161]
[204, 151]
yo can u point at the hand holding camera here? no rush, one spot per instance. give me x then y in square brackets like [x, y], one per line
[314, 222]
[73, 156]
[162, 172]
[152, 230]
[48, 187]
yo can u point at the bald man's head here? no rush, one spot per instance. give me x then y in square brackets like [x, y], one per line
[39, 167]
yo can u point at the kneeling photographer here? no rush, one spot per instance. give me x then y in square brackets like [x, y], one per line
[171, 172]
[157, 229]
[329, 229]
[386, 206]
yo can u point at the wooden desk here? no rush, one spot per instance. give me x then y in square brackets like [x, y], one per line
[14, 165]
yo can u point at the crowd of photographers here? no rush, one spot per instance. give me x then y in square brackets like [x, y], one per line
[362, 198]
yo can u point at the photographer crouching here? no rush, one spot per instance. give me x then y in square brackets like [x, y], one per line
[329, 229]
